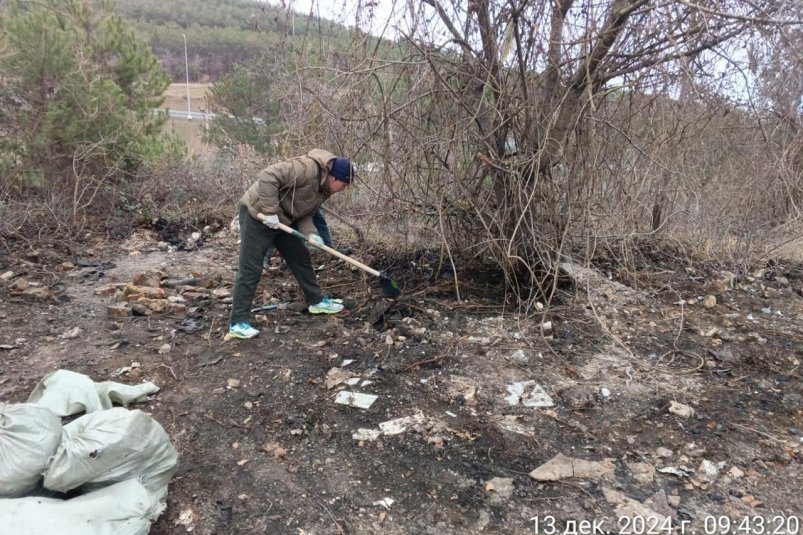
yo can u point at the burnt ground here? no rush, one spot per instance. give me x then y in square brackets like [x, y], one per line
[264, 448]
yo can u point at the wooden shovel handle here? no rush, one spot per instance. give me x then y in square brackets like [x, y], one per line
[329, 250]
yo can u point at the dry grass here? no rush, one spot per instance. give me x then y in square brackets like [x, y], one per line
[176, 97]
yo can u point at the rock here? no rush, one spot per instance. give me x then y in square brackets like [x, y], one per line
[118, 311]
[7, 276]
[134, 292]
[626, 507]
[664, 453]
[106, 290]
[562, 467]
[707, 473]
[19, 285]
[140, 310]
[72, 333]
[156, 305]
[165, 349]
[722, 283]
[274, 450]
[152, 279]
[680, 409]
[642, 472]
[710, 301]
[176, 308]
[520, 357]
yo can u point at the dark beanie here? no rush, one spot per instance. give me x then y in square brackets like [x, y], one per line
[342, 170]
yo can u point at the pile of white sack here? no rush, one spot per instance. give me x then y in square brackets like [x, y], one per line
[115, 463]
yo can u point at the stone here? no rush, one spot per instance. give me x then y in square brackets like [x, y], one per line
[118, 311]
[710, 301]
[563, 467]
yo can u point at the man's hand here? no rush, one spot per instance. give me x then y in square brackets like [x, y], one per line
[270, 221]
[314, 239]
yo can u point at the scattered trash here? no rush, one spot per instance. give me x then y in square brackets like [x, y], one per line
[355, 399]
[534, 397]
[366, 435]
[674, 471]
[400, 425]
[385, 502]
[336, 376]
[680, 409]
[187, 519]
[562, 467]
[124, 370]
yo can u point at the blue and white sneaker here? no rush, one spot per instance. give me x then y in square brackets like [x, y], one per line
[327, 306]
[242, 330]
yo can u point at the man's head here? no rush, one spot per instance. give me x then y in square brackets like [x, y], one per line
[340, 176]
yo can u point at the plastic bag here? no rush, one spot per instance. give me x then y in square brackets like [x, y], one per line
[109, 446]
[67, 393]
[29, 435]
[126, 508]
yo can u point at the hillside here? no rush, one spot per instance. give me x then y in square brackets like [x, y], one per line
[219, 33]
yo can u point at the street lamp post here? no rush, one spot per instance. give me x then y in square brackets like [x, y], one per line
[187, 72]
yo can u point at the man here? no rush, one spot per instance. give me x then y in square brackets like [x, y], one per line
[289, 192]
[322, 229]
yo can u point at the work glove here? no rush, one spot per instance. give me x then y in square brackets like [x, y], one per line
[271, 221]
[314, 239]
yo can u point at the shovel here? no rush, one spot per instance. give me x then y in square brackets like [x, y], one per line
[389, 287]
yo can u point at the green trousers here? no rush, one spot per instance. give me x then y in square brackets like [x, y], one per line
[255, 239]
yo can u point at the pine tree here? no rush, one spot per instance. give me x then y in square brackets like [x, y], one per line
[82, 89]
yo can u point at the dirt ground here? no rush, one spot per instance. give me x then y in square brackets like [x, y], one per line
[679, 384]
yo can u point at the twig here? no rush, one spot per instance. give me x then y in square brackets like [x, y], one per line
[436, 358]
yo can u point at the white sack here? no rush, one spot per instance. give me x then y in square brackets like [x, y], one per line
[29, 435]
[67, 393]
[109, 446]
[126, 508]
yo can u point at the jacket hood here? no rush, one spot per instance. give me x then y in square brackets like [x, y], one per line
[323, 157]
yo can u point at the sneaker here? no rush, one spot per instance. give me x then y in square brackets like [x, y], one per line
[327, 306]
[242, 330]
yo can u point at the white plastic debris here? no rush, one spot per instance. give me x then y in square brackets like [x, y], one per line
[366, 435]
[355, 399]
[400, 425]
[29, 436]
[385, 502]
[529, 394]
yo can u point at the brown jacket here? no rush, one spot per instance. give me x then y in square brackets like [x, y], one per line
[292, 189]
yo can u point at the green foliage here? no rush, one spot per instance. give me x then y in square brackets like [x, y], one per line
[79, 92]
[246, 111]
